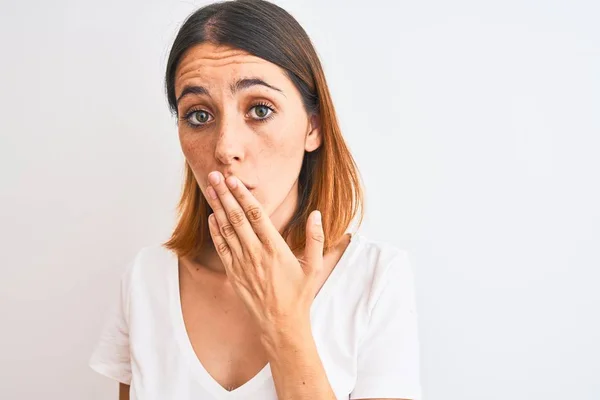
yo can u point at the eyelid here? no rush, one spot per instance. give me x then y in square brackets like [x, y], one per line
[271, 108]
[263, 103]
[254, 101]
[197, 107]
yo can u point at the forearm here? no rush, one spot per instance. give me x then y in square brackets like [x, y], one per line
[296, 367]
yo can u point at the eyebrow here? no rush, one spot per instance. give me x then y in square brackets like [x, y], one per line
[235, 87]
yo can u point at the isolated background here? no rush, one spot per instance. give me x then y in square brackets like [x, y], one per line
[476, 127]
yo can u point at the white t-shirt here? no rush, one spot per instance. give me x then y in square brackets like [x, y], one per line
[363, 320]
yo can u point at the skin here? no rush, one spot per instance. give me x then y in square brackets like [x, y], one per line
[246, 150]
[266, 155]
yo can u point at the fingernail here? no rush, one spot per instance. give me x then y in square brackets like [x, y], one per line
[214, 178]
[232, 182]
[211, 192]
[317, 218]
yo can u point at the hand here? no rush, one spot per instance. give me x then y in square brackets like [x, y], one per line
[277, 288]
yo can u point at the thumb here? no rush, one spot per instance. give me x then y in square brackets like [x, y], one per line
[315, 241]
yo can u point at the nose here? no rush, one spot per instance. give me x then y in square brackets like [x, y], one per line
[229, 146]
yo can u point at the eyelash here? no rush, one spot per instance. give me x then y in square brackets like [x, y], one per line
[187, 116]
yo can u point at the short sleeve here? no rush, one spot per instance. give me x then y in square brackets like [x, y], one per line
[388, 355]
[111, 356]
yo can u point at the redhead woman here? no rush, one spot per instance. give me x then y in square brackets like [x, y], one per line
[263, 290]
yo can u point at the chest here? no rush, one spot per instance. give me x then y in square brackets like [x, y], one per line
[222, 334]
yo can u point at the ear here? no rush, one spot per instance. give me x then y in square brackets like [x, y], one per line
[313, 137]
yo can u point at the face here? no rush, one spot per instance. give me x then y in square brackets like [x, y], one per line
[242, 116]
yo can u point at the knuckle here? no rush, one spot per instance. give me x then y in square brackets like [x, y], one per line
[221, 191]
[261, 275]
[254, 257]
[223, 248]
[227, 231]
[318, 237]
[269, 246]
[236, 217]
[241, 196]
[254, 213]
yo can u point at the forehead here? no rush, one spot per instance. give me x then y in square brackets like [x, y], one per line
[216, 65]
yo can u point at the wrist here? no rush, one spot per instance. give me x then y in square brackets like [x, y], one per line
[284, 336]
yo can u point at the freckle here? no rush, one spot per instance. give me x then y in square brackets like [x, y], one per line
[304, 383]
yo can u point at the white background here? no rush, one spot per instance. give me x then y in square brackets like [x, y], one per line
[476, 128]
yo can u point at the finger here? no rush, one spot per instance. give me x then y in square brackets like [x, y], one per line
[234, 212]
[221, 246]
[225, 227]
[315, 240]
[255, 214]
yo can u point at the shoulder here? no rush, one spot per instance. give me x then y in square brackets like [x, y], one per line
[382, 263]
[148, 263]
[377, 251]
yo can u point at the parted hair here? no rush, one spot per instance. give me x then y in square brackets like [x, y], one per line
[329, 179]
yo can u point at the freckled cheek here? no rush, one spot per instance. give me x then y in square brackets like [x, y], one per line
[281, 163]
[200, 159]
[282, 139]
[288, 149]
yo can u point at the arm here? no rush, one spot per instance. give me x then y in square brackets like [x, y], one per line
[123, 391]
[296, 367]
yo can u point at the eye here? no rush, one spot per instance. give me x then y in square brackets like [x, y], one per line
[196, 118]
[262, 111]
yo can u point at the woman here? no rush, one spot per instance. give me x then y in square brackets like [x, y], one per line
[261, 293]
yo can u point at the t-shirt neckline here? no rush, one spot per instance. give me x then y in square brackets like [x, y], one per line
[197, 368]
